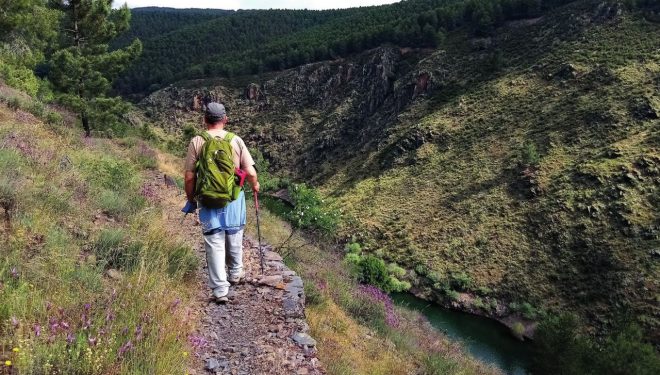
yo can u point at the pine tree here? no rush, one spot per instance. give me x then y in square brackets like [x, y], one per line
[83, 68]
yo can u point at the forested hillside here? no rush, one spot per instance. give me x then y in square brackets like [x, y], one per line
[151, 22]
[249, 42]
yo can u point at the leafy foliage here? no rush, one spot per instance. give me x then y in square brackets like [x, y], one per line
[83, 68]
[562, 349]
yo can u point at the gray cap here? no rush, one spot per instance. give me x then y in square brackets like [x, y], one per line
[215, 110]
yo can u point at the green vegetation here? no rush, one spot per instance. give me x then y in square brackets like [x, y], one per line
[358, 329]
[59, 311]
[250, 42]
[562, 348]
[82, 68]
[532, 186]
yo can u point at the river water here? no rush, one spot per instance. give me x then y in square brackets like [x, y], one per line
[485, 339]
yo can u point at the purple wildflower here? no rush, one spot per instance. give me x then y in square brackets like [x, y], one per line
[379, 296]
[37, 330]
[175, 304]
[14, 322]
[124, 348]
[138, 333]
[91, 341]
[110, 316]
[124, 331]
[13, 273]
[197, 342]
[64, 325]
[70, 338]
[149, 193]
[88, 306]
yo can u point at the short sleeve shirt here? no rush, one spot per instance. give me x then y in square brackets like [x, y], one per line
[241, 154]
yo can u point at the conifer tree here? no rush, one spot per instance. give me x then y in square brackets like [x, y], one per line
[83, 67]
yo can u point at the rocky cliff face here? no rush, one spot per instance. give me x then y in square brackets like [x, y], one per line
[325, 111]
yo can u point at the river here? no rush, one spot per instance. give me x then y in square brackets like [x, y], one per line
[484, 338]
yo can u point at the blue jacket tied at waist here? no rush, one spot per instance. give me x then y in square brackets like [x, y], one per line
[231, 218]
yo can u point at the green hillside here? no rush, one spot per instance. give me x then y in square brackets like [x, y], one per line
[515, 175]
[248, 42]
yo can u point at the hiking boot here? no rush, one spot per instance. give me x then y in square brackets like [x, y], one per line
[220, 296]
[237, 278]
[220, 300]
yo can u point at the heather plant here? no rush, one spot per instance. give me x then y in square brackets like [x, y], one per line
[60, 313]
[145, 156]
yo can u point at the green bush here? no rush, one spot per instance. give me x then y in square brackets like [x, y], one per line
[529, 155]
[113, 250]
[110, 173]
[353, 248]
[372, 270]
[461, 281]
[54, 118]
[452, 294]
[364, 309]
[395, 270]
[518, 330]
[145, 156]
[310, 210]
[395, 285]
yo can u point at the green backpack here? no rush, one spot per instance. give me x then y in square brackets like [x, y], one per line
[216, 179]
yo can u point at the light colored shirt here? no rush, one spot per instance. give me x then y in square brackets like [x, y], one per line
[241, 154]
[233, 216]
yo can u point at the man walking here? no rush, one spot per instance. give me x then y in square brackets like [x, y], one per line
[222, 227]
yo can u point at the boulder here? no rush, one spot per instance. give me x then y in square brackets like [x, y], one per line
[303, 339]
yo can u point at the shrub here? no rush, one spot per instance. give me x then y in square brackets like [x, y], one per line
[310, 210]
[352, 259]
[395, 285]
[395, 270]
[452, 294]
[145, 156]
[529, 155]
[313, 296]
[14, 103]
[527, 310]
[113, 250]
[461, 281]
[518, 330]
[110, 173]
[54, 118]
[353, 248]
[372, 270]
[120, 205]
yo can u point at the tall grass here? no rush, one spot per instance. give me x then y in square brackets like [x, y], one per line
[59, 312]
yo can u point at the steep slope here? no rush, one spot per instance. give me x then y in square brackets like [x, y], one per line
[512, 175]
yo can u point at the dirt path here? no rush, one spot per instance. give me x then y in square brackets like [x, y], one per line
[262, 330]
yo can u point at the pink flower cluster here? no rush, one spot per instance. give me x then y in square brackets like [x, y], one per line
[378, 296]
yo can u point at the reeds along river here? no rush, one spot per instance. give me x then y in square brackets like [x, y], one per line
[485, 339]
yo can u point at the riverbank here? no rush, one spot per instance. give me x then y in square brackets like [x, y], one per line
[485, 339]
[358, 329]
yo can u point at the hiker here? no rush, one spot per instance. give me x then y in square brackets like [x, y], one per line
[222, 228]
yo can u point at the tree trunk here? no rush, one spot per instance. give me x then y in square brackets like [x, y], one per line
[85, 124]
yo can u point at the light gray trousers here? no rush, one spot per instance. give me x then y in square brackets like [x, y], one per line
[220, 246]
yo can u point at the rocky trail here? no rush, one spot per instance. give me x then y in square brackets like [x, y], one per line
[262, 329]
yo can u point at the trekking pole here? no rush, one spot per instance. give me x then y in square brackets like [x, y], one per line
[261, 253]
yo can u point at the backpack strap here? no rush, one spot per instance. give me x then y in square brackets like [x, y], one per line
[206, 136]
[229, 136]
